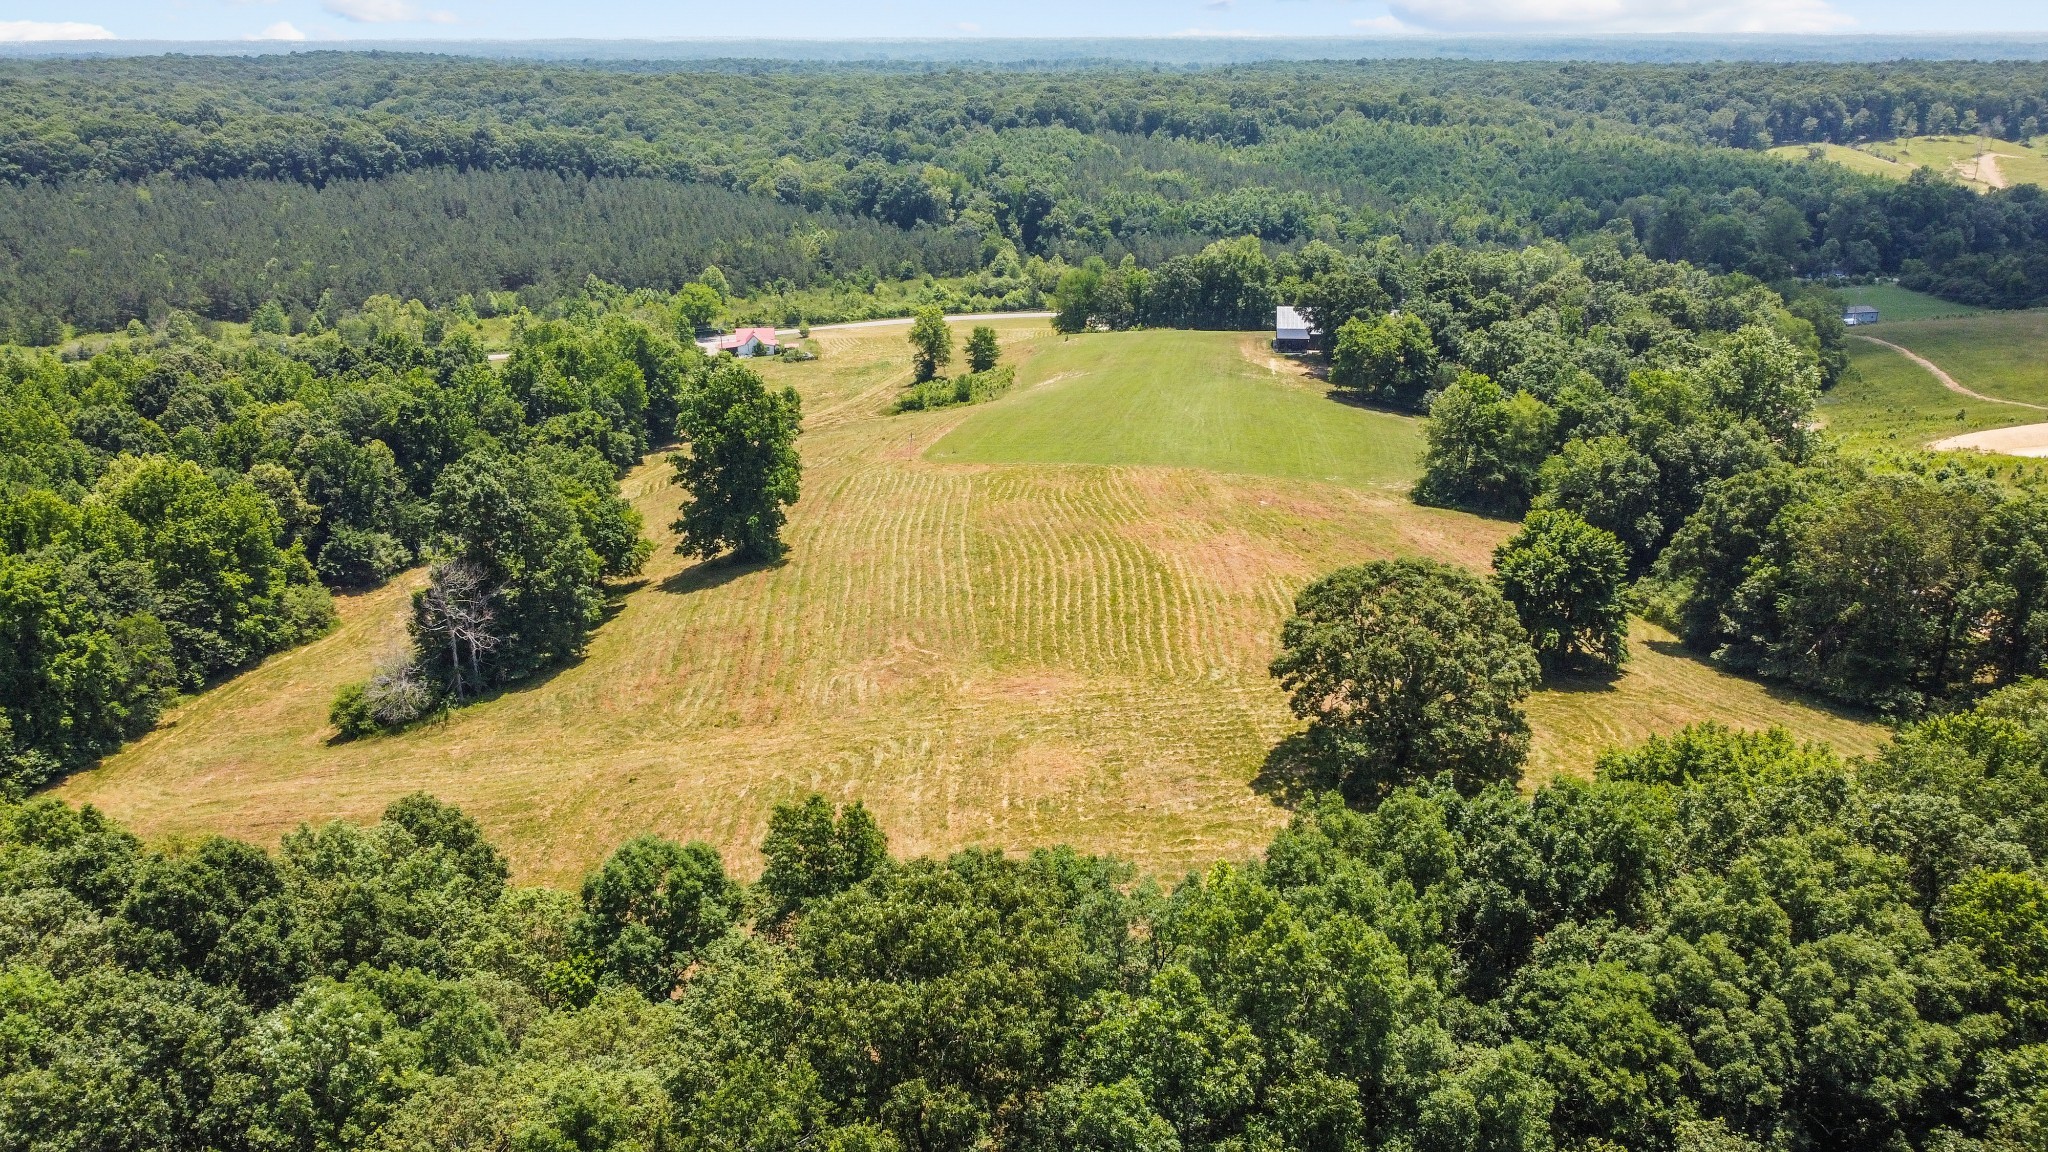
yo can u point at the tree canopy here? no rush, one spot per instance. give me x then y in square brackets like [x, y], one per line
[1405, 669]
[741, 468]
[1568, 583]
[132, 187]
[931, 343]
[1713, 940]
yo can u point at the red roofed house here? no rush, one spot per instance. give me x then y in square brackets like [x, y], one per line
[749, 342]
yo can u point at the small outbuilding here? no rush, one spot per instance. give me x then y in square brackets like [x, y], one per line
[1290, 330]
[1858, 315]
[750, 342]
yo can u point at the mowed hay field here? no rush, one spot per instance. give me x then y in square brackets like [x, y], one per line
[983, 646]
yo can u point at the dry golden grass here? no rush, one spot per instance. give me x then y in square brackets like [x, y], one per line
[1664, 689]
[1963, 157]
[1001, 654]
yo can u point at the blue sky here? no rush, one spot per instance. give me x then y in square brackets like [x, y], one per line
[790, 19]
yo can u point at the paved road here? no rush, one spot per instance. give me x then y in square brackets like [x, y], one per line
[908, 319]
[712, 343]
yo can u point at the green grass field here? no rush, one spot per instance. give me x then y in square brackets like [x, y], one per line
[1210, 400]
[1957, 156]
[1887, 401]
[1896, 304]
[2000, 354]
[987, 652]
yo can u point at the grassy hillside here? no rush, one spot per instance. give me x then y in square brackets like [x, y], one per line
[1887, 401]
[1957, 156]
[1189, 400]
[985, 652]
[1999, 354]
[1896, 303]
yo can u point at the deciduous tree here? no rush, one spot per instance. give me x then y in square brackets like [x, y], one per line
[1484, 447]
[652, 906]
[1406, 669]
[1566, 580]
[1391, 359]
[741, 468]
[931, 342]
[982, 350]
[811, 854]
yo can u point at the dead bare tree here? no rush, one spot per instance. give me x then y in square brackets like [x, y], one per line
[399, 692]
[456, 610]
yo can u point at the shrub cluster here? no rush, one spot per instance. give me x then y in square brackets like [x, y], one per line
[966, 388]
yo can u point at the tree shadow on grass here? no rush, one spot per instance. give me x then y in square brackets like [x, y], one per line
[445, 712]
[615, 593]
[1582, 683]
[1294, 772]
[708, 574]
[1783, 693]
[1367, 403]
[1425, 499]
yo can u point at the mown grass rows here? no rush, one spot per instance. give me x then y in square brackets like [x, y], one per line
[1010, 654]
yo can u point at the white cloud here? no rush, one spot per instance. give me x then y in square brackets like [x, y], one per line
[386, 12]
[17, 31]
[1385, 24]
[282, 30]
[1620, 15]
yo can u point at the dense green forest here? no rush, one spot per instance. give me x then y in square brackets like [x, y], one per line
[1726, 943]
[221, 249]
[129, 187]
[175, 507]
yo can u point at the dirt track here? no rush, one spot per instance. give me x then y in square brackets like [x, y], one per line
[1984, 170]
[2021, 440]
[1947, 381]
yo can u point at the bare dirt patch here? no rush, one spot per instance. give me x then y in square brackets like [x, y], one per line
[1259, 351]
[2023, 440]
[1983, 169]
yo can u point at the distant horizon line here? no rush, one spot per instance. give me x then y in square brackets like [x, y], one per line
[1372, 37]
[1170, 50]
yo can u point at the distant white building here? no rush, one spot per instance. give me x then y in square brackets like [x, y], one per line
[1859, 315]
[1290, 330]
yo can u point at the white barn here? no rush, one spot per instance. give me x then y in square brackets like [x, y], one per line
[1290, 330]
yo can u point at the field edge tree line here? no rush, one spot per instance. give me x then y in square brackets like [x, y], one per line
[1721, 942]
[176, 507]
